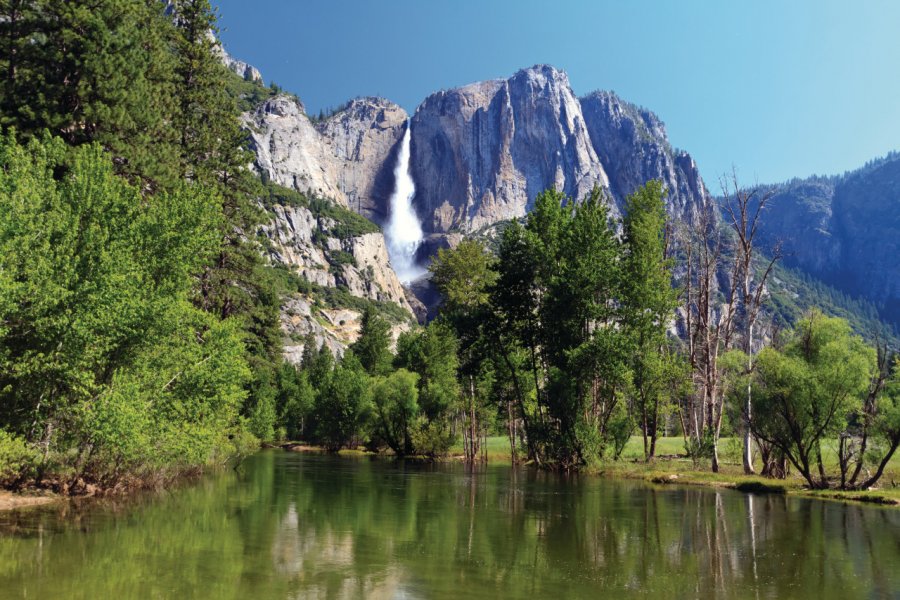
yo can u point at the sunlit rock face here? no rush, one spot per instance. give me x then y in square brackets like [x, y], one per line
[308, 246]
[346, 157]
[633, 147]
[482, 152]
[479, 153]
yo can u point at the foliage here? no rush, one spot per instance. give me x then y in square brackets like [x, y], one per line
[464, 276]
[395, 397]
[296, 400]
[103, 351]
[431, 353]
[334, 219]
[372, 348]
[93, 72]
[17, 458]
[648, 303]
[793, 292]
[343, 405]
[805, 392]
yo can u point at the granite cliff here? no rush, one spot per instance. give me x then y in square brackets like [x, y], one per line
[480, 153]
[346, 157]
[479, 156]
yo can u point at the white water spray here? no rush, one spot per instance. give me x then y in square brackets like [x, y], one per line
[404, 232]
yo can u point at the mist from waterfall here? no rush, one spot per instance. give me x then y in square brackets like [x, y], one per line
[403, 232]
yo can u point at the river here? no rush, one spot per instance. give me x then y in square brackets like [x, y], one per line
[290, 525]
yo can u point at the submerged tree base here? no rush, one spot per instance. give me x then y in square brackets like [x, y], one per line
[671, 469]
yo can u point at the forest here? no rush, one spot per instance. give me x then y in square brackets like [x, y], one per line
[139, 319]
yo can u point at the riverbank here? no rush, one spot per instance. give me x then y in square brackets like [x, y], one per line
[53, 489]
[11, 500]
[682, 472]
[671, 467]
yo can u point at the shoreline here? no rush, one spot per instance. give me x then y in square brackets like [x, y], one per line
[664, 471]
[14, 500]
[668, 471]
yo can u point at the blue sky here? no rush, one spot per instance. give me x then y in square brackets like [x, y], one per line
[778, 89]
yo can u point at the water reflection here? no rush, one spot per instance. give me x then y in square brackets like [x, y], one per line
[294, 526]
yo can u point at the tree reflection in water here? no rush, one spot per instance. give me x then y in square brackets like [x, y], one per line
[296, 526]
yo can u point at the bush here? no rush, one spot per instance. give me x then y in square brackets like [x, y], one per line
[17, 459]
[431, 438]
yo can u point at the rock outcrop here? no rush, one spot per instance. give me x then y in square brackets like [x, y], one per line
[311, 246]
[347, 157]
[333, 328]
[308, 245]
[245, 70]
[482, 152]
[633, 146]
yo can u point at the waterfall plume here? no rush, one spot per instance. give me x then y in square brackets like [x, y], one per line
[403, 232]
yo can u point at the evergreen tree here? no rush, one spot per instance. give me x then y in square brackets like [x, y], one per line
[99, 71]
[649, 301]
[211, 150]
[372, 348]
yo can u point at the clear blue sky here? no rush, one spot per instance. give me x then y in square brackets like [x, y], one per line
[777, 88]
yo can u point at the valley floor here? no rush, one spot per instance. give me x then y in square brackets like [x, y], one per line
[673, 467]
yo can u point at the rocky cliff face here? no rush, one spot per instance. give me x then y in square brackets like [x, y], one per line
[347, 157]
[316, 248]
[482, 152]
[244, 70]
[308, 245]
[633, 146]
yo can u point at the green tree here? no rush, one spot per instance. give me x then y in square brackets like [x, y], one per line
[805, 392]
[344, 405]
[211, 149]
[563, 277]
[92, 72]
[372, 348]
[395, 397]
[464, 276]
[649, 302]
[296, 399]
[104, 359]
[431, 353]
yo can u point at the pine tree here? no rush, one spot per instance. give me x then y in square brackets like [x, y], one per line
[95, 71]
[212, 151]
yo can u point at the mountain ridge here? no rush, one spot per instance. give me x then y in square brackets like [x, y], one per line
[480, 155]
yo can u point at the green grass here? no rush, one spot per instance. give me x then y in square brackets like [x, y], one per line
[497, 449]
[673, 467]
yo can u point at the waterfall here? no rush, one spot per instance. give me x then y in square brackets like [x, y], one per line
[404, 232]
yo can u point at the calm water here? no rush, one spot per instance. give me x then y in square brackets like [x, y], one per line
[298, 526]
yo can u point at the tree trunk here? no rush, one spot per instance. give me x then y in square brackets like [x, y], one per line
[748, 441]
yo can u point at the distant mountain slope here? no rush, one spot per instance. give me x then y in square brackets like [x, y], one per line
[844, 230]
[482, 152]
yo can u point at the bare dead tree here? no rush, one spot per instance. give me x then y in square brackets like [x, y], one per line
[710, 322]
[745, 208]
